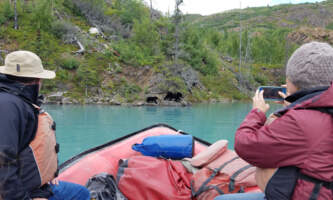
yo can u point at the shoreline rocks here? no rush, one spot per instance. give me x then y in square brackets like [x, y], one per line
[168, 99]
[59, 99]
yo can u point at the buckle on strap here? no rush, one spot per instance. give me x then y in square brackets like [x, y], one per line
[328, 185]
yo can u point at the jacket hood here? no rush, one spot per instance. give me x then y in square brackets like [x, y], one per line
[30, 92]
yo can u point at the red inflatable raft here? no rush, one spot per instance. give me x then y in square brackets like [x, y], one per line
[105, 158]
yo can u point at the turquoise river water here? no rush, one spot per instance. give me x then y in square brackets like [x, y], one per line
[83, 127]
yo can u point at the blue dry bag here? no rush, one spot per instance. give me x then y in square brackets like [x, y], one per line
[167, 146]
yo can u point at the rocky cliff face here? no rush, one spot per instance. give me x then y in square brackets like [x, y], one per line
[307, 34]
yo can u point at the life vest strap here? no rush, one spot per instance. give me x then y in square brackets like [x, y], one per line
[328, 185]
[204, 187]
[215, 187]
[318, 185]
[54, 126]
[233, 177]
[57, 148]
[56, 173]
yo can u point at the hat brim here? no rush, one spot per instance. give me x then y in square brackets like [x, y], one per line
[46, 74]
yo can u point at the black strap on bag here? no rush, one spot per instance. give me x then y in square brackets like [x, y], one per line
[234, 176]
[318, 185]
[204, 187]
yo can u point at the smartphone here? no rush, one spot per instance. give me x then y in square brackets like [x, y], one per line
[272, 92]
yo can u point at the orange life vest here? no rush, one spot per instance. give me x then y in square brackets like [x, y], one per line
[222, 172]
[38, 163]
[45, 147]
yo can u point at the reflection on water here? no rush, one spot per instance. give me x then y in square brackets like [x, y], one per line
[83, 127]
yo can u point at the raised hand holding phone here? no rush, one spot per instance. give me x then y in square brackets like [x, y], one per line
[259, 102]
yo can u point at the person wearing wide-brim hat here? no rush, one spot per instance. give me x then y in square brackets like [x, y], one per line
[23, 172]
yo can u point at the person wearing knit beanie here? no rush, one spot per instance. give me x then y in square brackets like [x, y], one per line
[311, 66]
[293, 146]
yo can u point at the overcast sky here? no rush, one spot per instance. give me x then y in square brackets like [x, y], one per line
[206, 7]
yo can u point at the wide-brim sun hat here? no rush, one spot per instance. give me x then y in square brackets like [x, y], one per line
[25, 64]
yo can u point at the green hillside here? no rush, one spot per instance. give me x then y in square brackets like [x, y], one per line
[140, 55]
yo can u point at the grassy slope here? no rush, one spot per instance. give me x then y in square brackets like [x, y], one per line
[286, 15]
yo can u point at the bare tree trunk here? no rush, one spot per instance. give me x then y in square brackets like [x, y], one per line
[247, 51]
[1, 60]
[177, 22]
[52, 7]
[23, 2]
[240, 45]
[58, 15]
[177, 44]
[82, 49]
[151, 10]
[248, 56]
[287, 49]
[15, 15]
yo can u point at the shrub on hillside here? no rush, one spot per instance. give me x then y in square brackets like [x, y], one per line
[130, 10]
[93, 11]
[2, 19]
[63, 30]
[87, 77]
[42, 17]
[144, 47]
[199, 45]
[70, 63]
[6, 12]
[330, 26]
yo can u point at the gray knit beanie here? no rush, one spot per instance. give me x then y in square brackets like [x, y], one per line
[311, 66]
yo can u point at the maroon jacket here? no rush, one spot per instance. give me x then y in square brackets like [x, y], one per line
[302, 137]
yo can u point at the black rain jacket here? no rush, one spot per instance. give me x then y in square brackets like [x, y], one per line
[18, 125]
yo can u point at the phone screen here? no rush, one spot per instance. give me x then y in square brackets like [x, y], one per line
[272, 92]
